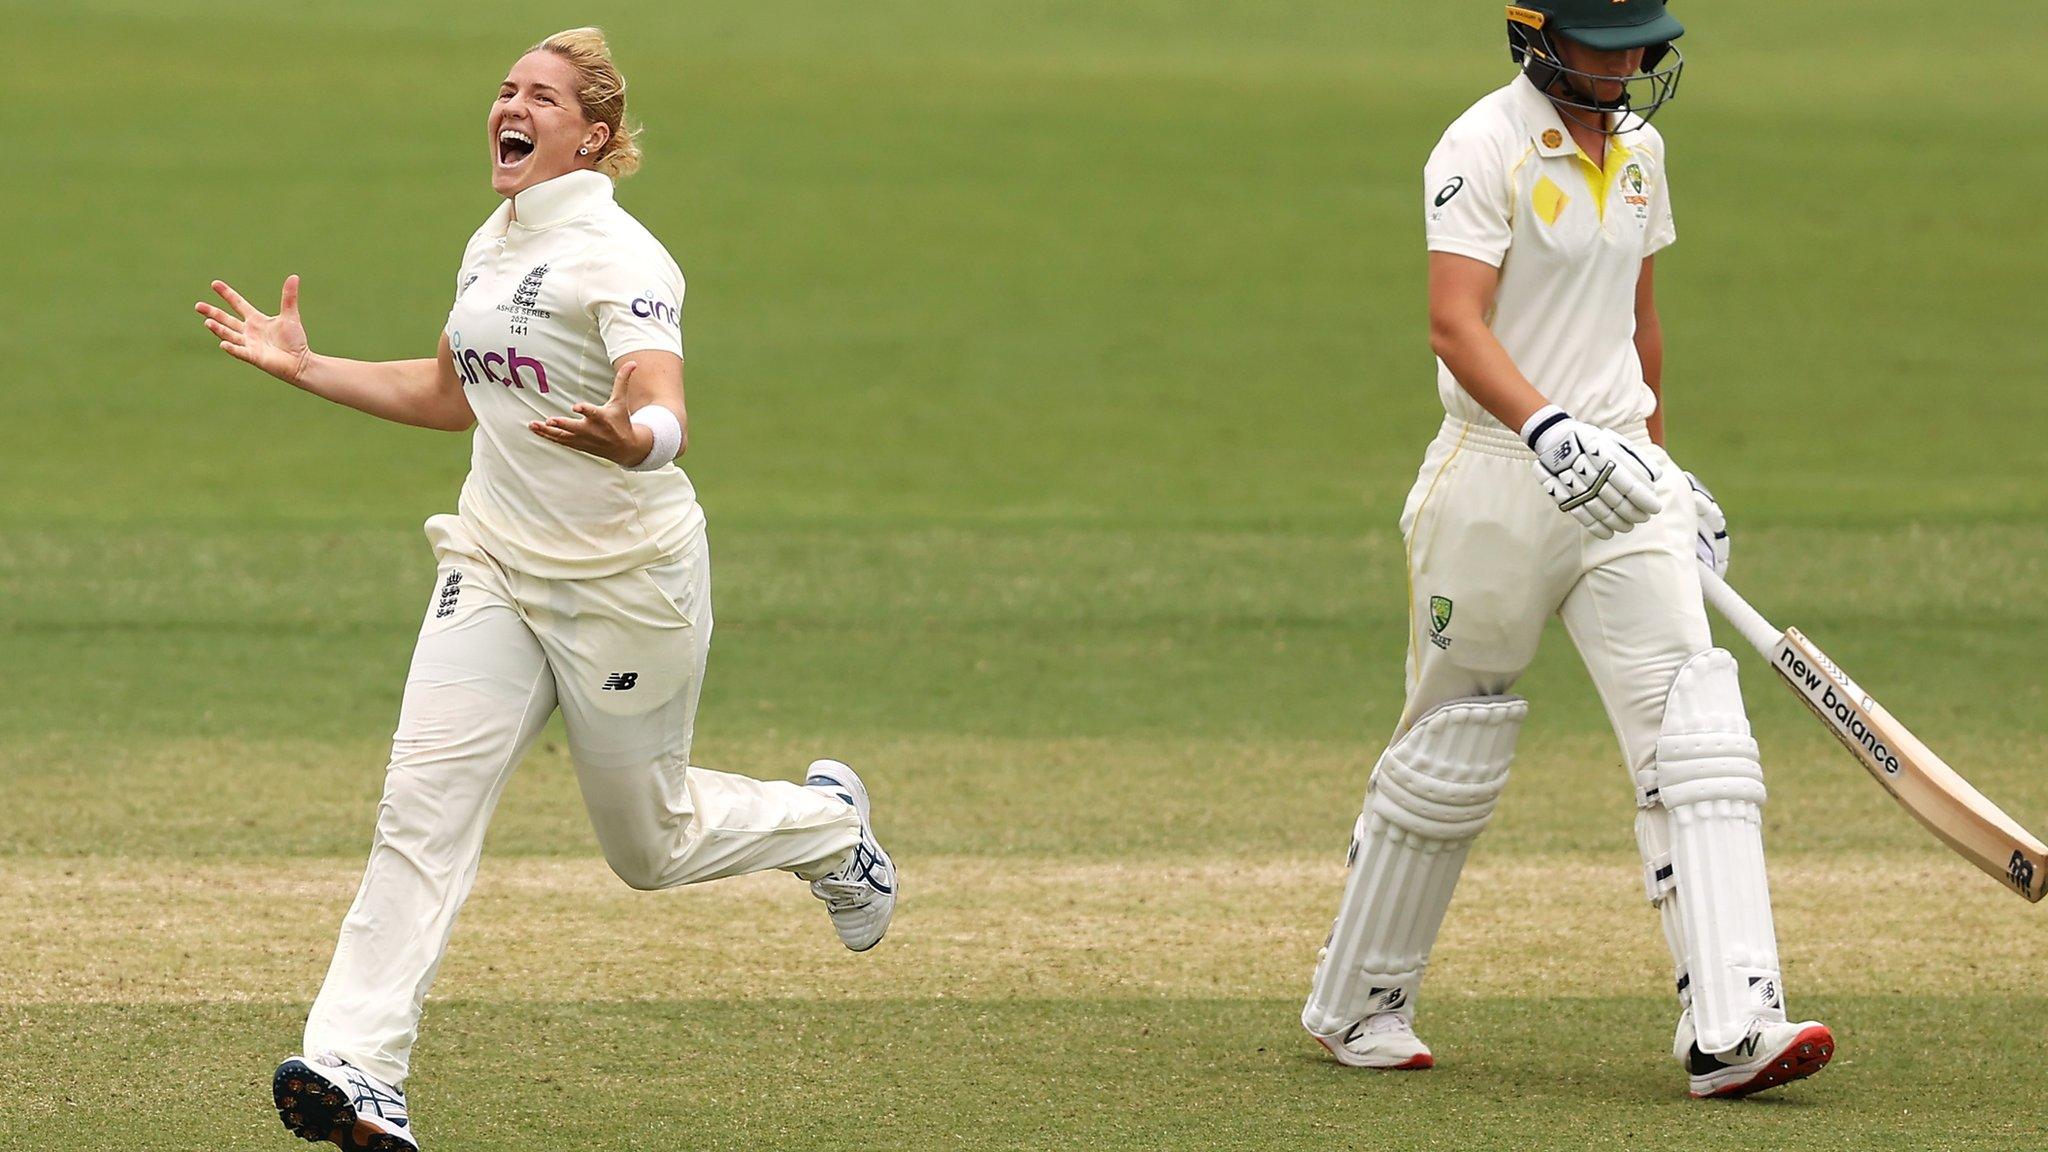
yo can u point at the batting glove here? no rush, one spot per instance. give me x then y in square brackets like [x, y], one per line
[1592, 473]
[1711, 541]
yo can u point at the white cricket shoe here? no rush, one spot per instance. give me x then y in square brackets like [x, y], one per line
[861, 896]
[1384, 1040]
[327, 1098]
[1774, 1053]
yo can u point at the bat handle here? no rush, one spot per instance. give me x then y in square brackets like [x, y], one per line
[1734, 609]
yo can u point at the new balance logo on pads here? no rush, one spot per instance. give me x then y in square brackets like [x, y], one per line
[1766, 994]
[1387, 999]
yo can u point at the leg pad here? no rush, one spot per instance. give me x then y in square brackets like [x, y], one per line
[1432, 793]
[1701, 831]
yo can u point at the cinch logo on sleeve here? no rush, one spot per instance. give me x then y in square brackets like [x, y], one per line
[508, 368]
[650, 306]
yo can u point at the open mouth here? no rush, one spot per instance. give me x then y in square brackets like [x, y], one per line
[514, 147]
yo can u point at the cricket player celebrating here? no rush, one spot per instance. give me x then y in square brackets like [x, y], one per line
[573, 575]
[1548, 490]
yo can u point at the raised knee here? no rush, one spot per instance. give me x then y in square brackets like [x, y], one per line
[641, 873]
[1441, 780]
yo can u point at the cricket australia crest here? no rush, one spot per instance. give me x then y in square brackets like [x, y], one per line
[1439, 620]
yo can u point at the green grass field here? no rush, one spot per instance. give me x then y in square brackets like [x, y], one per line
[1056, 371]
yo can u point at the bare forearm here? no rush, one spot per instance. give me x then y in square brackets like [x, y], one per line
[1486, 372]
[403, 391]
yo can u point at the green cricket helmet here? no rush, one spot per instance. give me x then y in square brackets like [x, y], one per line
[1604, 25]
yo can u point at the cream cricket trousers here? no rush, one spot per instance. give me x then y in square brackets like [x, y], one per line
[1491, 559]
[623, 657]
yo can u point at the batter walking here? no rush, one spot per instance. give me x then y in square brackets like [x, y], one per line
[574, 575]
[1547, 491]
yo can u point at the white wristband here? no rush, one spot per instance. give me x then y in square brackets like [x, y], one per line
[1545, 418]
[668, 437]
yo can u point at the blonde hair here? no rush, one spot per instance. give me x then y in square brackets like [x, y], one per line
[601, 91]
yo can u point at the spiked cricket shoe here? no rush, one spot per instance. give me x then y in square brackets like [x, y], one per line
[861, 895]
[1386, 1040]
[326, 1098]
[1773, 1053]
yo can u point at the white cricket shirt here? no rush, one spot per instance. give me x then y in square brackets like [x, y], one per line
[1508, 186]
[556, 285]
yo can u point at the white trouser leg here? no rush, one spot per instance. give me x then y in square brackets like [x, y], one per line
[1484, 547]
[1489, 559]
[1636, 617]
[629, 653]
[478, 693]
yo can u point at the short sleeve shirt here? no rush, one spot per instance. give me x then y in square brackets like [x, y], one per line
[1508, 186]
[557, 285]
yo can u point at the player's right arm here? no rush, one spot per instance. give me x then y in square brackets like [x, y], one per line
[423, 393]
[1461, 292]
[1470, 209]
[1470, 188]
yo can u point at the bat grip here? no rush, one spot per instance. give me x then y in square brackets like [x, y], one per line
[1734, 609]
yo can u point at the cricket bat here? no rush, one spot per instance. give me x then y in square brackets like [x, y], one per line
[1976, 828]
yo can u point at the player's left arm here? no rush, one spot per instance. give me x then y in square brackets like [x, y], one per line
[643, 379]
[1650, 344]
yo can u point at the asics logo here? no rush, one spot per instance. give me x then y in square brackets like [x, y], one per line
[868, 865]
[388, 1107]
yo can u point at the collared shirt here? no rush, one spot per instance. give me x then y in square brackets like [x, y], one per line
[1507, 185]
[557, 285]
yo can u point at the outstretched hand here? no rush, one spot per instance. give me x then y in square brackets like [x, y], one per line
[276, 344]
[603, 430]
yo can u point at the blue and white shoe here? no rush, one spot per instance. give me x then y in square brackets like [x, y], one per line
[327, 1098]
[861, 896]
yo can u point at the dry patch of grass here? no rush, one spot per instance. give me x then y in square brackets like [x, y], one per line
[103, 930]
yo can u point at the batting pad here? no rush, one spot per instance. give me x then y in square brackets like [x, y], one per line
[1711, 787]
[1653, 837]
[1431, 795]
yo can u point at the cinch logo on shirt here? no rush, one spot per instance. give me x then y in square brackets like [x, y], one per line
[654, 307]
[476, 367]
